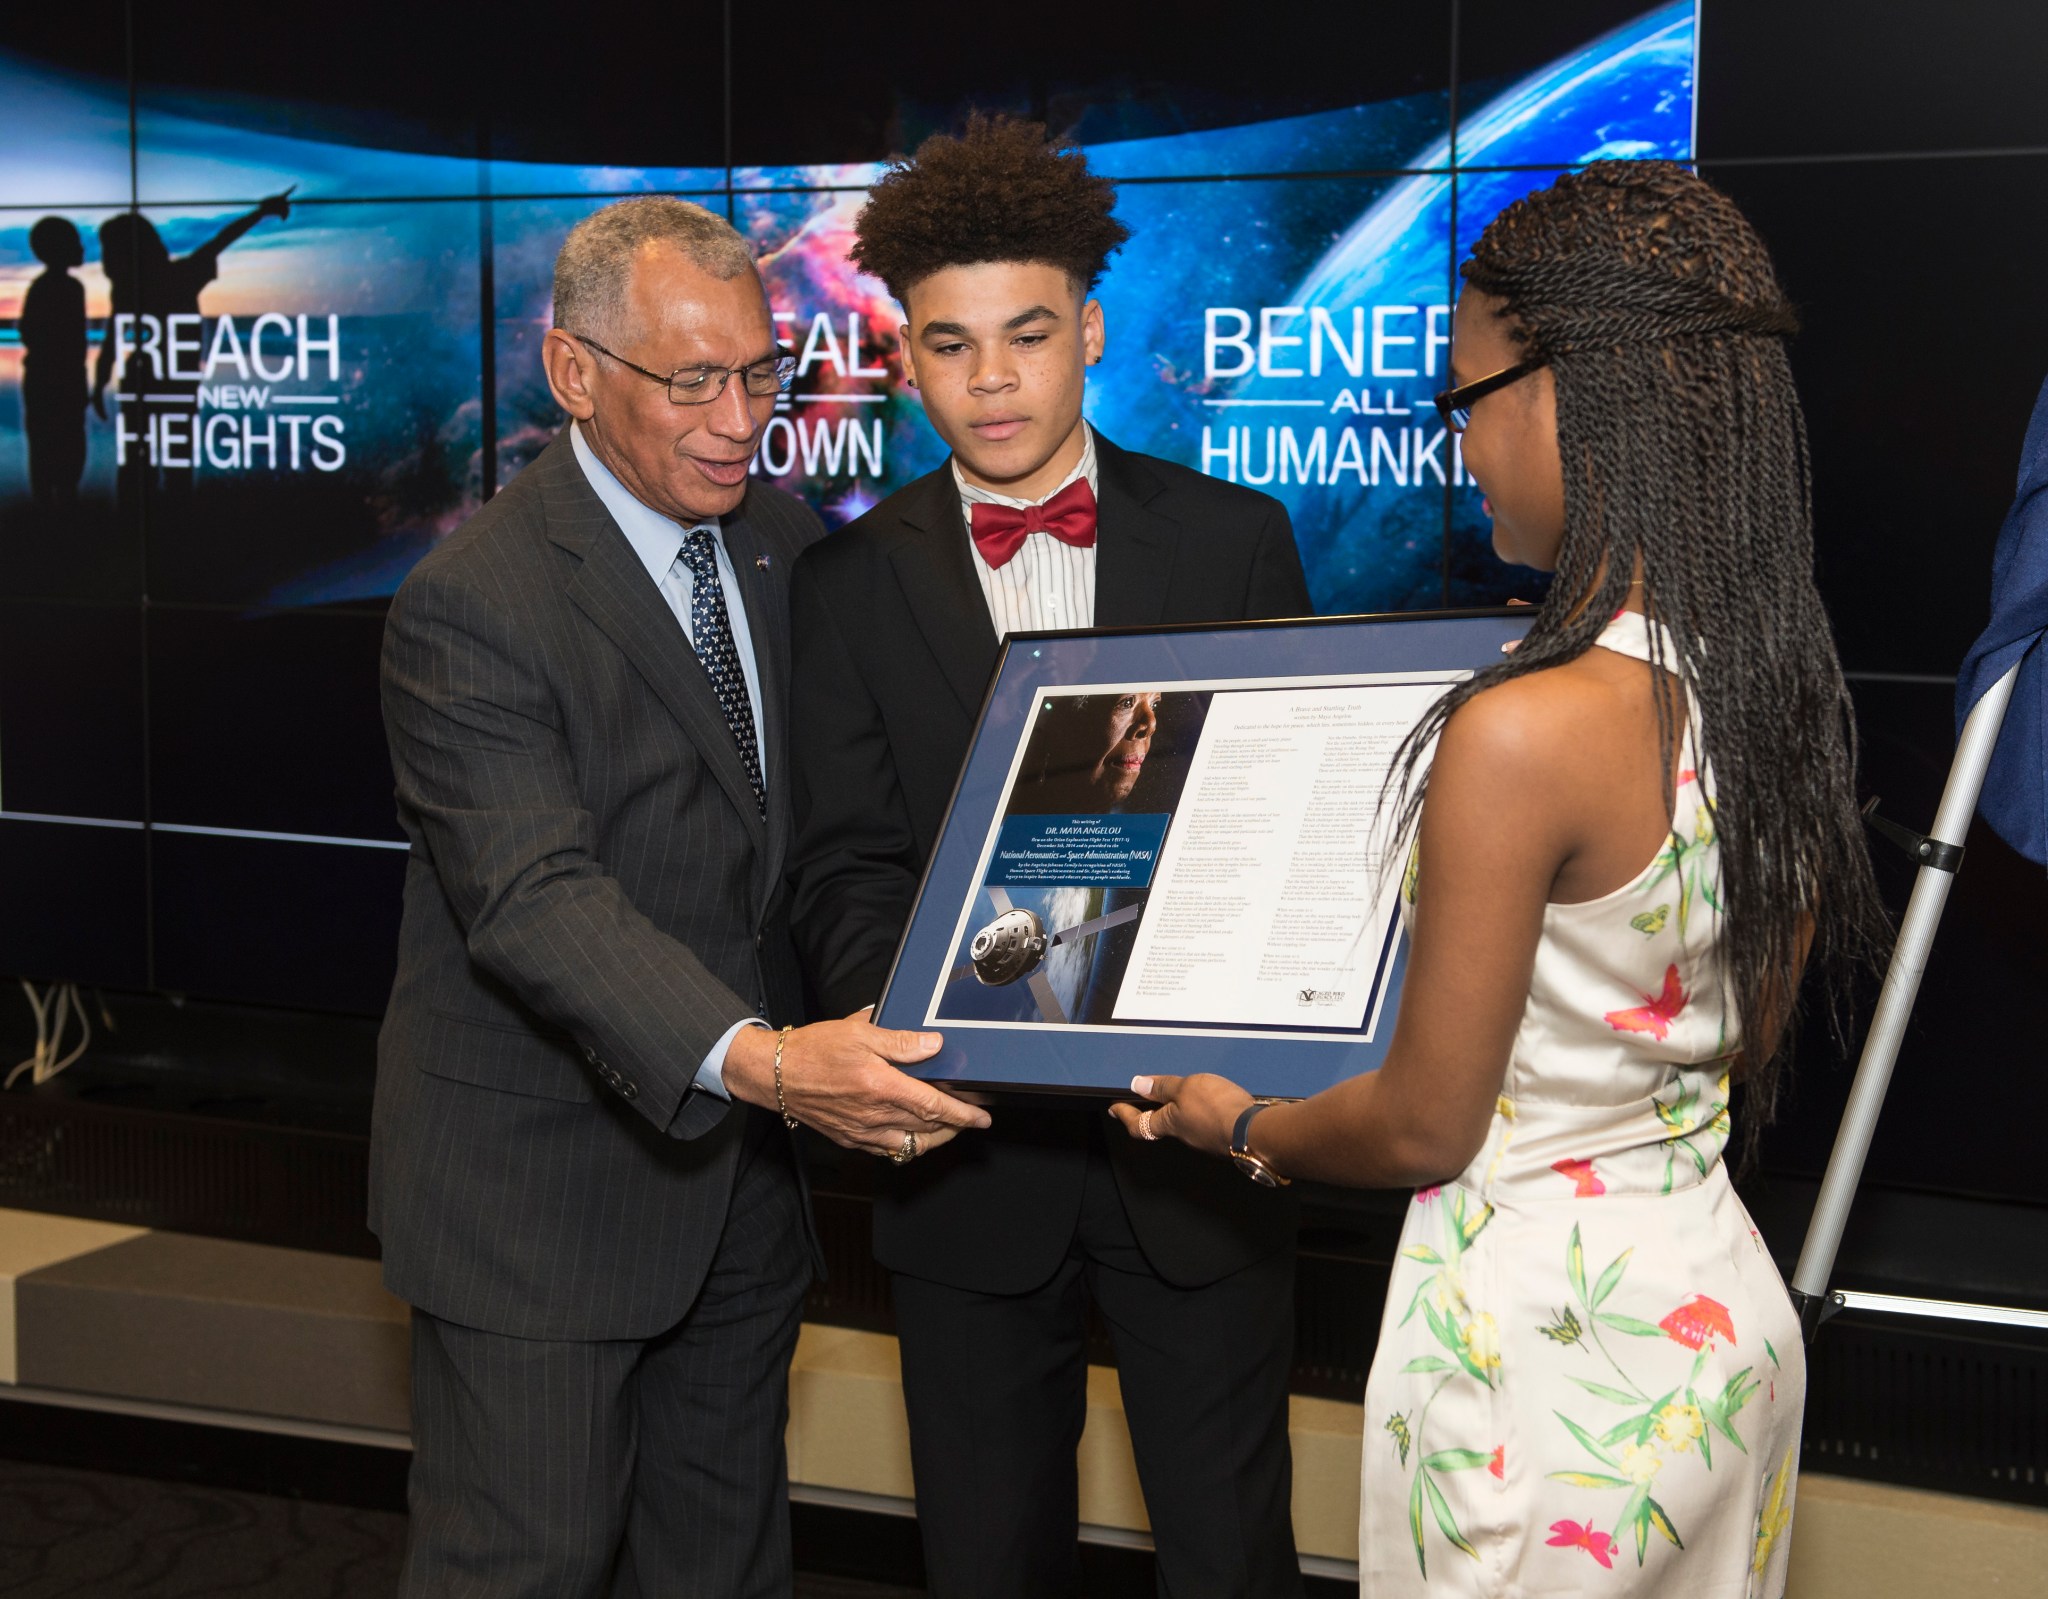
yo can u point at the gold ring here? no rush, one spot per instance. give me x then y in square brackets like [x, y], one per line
[908, 1153]
[1145, 1127]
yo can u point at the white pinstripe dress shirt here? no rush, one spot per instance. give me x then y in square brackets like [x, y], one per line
[1046, 585]
[658, 543]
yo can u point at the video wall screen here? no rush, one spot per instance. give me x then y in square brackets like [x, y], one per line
[266, 336]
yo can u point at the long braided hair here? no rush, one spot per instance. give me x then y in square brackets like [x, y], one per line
[1683, 448]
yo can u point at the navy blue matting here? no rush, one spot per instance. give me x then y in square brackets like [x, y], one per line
[1102, 1062]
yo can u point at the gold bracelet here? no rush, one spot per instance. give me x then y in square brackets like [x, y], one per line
[782, 1104]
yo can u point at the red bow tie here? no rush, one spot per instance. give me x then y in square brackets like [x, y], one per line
[1069, 516]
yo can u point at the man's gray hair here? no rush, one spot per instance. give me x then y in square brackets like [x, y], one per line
[596, 263]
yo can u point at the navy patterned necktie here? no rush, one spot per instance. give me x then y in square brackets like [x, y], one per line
[711, 635]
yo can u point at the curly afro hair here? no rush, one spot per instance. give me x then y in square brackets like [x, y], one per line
[1000, 192]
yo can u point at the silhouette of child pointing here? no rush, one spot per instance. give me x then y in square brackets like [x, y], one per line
[148, 281]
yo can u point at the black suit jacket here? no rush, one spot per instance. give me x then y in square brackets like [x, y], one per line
[892, 653]
[591, 900]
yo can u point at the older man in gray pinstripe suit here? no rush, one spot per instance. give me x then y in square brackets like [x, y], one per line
[578, 1170]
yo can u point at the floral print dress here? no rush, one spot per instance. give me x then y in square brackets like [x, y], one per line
[1589, 1376]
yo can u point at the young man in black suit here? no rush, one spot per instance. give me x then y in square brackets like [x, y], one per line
[993, 243]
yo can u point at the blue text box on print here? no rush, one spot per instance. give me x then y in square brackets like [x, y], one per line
[1078, 851]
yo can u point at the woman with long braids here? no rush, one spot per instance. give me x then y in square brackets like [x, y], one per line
[1638, 826]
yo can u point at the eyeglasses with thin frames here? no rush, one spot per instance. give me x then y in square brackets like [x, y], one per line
[1455, 405]
[694, 385]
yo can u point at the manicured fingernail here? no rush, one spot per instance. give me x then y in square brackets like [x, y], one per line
[1142, 1087]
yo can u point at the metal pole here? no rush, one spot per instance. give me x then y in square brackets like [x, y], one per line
[1895, 1003]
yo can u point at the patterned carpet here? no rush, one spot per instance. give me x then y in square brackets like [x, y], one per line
[68, 1534]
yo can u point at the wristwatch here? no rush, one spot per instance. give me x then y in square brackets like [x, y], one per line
[1253, 1166]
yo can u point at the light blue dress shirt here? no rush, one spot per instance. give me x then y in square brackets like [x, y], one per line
[657, 541]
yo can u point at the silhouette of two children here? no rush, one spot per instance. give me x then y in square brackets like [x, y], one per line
[145, 280]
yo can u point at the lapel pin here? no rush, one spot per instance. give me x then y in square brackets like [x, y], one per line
[762, 563]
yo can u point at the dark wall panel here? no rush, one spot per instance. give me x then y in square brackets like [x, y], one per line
[1878, 76]
[305, 925]
[71, 711]
[269, 722]
[1924, 345]
[77, 900]
[1127, 72]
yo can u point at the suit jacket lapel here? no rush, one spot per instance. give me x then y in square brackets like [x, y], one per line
[1135, 547]
[612, 589]
[762, 592]
[936, 572]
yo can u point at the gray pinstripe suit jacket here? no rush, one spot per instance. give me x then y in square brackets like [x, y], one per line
[592, 899]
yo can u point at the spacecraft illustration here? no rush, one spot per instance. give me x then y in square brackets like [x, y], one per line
[1014, 946]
